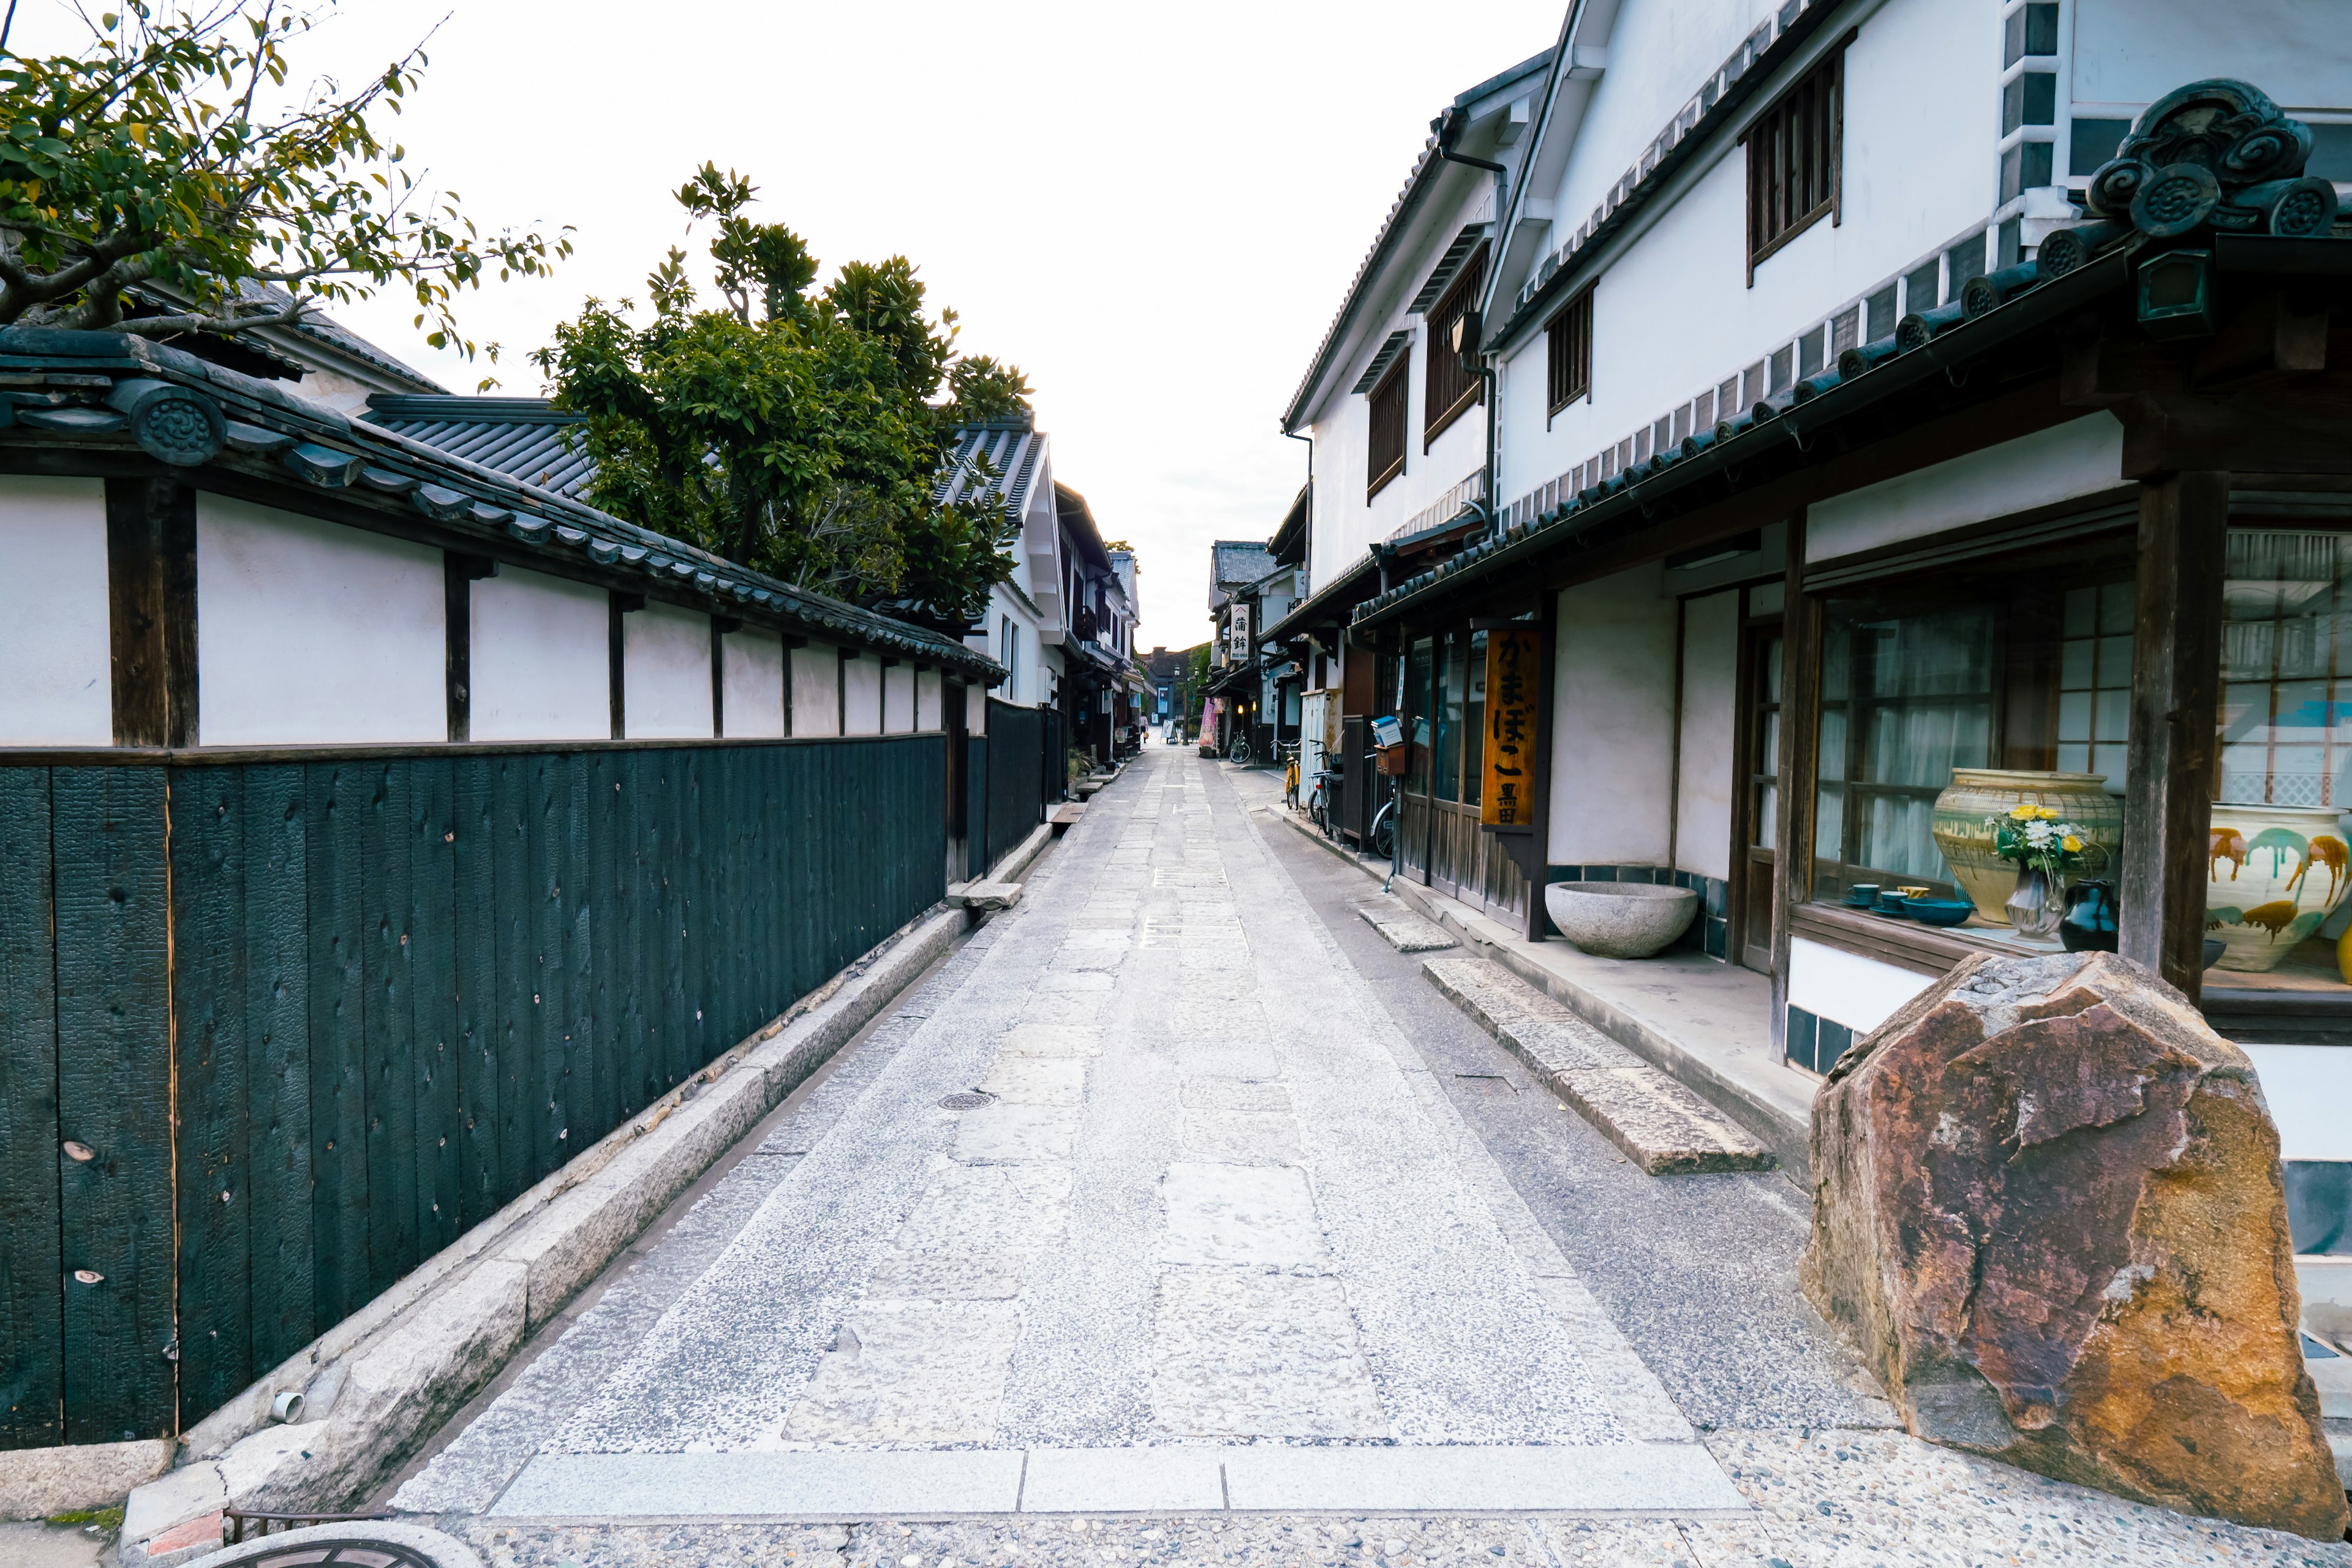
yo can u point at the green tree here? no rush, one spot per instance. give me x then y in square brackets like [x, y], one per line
[164, 179]
[799, 435]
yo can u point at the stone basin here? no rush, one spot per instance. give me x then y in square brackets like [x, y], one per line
[1620, 920]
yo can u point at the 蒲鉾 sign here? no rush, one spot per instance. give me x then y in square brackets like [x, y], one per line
[1513, 728]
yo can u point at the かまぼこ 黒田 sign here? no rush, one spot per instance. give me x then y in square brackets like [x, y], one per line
[1507, 801]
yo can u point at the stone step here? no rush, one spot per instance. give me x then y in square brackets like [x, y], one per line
[1659, 1124]
[1403, 930]
[984, 895]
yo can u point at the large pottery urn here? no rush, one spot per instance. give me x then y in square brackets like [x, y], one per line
[1975, 794]
[2276, 873]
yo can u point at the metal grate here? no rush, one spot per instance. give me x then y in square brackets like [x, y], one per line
[969, 1100]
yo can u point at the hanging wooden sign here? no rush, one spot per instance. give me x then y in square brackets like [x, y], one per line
[1514, 728]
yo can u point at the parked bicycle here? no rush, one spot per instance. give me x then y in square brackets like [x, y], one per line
[1323, 801]
[1288, 751]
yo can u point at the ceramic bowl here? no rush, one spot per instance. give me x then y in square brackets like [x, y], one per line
[1940, 911]
[1620, 920]
[1893, 904]
[1862, 895]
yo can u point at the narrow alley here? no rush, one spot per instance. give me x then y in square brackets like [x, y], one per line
[1176, 1193]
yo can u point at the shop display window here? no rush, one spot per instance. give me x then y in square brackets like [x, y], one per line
[1998, 690]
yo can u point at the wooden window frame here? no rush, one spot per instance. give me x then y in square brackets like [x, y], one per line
[1443, 401]
[1768, 137]
[1378, 472]
[1569, 336]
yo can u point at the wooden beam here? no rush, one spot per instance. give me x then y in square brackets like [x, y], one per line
[2176, 693]
[615, 647]
[151, 564]
[719, 630]
[1792, 831]
[457, 645]
[1538, 866]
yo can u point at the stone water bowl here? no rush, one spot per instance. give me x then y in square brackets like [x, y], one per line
[1620, 920]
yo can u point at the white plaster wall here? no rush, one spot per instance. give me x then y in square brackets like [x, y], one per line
[861, 685]
[898, 700]
[927, 699]
[2133, 52]
[56, 651]
[2079, 457]
[1612, 737]
[309, 632]
[1704, 778]
[539, 659]
[975, 709]
[754, 683]
[665, 673]
[1674, 314]
[2307, 1088]
[816, 690]
[1858, 991]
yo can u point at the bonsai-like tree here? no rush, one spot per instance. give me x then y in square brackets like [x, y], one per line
[802, 435]
[165, 181]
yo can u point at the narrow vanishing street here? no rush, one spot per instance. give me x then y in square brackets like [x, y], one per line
[1176, 1217]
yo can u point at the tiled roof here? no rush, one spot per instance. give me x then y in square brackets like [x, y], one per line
[523, 437]
[1238, 563]
[280, 438]
[1013, 451]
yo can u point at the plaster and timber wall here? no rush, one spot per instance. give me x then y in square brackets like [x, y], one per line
[665, 673]
[754, 683]
[861, 696]
[1613, 739]
[311, 632]
[1707, 771]
[816, 690]
[2065, 462]
[56, 671]
[927, 699]
[538, 658]
[1836, 997]
[898, 699]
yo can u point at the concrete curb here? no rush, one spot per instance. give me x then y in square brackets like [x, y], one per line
[1790, 1139]
[382, 1380]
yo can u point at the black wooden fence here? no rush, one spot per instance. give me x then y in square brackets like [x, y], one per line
[1018, 775]
[274, 1032]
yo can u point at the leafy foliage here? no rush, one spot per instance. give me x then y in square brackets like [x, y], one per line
[797, 434]
[161, 182]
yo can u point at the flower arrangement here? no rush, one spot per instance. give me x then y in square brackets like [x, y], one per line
[2033, 837]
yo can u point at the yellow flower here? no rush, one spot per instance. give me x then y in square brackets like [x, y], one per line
[2047, 813]
[2072, 845]
[2023, 814]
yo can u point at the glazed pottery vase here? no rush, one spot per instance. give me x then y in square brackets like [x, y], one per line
[2033, 906]
[2273, 876]
[1975, 794]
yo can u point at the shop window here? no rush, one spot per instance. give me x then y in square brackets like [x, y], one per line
[1763, 796]
[1417, 663]
[1474, 724]
[2094, 682]
[1445, 747]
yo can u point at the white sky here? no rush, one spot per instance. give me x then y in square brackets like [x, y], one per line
[1152, 210]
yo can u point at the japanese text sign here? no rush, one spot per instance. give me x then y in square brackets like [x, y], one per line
[1513, 727]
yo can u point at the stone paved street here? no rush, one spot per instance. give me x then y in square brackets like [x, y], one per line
[1175, 1218]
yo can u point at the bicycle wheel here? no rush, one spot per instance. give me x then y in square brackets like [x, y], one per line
[1385, 837]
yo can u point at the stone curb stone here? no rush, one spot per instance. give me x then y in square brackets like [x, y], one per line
[1661, 1126]
[35, 1483]
[986, 895]
[1405, 931]
[373, 1397]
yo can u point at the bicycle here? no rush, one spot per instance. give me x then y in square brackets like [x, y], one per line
[1380, 838]
[1322, 805]
[1238, 752]
[1288, 751]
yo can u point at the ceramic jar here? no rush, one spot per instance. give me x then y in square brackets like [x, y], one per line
[2274, 873]
[1958, 828]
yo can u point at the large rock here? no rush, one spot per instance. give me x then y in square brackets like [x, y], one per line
[2047, 1205]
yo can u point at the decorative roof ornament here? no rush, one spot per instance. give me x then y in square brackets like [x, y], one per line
[2214, 154]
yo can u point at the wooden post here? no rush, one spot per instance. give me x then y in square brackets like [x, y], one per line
[151, 568]
[1792, 832]
[459, 572]
[2176, 692]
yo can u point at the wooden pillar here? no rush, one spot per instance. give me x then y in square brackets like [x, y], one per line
[151, 571]
[2176, 695]
[1793, 829]
[1537, 866]
[459, 572]
[616, 661]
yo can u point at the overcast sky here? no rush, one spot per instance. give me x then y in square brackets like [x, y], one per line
[1152, 210]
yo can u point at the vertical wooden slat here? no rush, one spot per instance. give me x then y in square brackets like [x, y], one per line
[1792, 863]
[277, 943]
[389, 1025]
[544, 967]
[114, 1083]
[637, 1073]
[521, 1105]
[481, 1076]
[581, 1124]
[338, 804]
[210, 989]
[32, 1322]
[437, 1149]
[597, 899]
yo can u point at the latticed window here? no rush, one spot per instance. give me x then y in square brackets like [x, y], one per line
[2286, 670]
[1793, 159]
[1453, 387]
[1568, 354]
[1385, 458]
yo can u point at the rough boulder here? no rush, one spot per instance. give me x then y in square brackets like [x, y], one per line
[2047, 1206]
